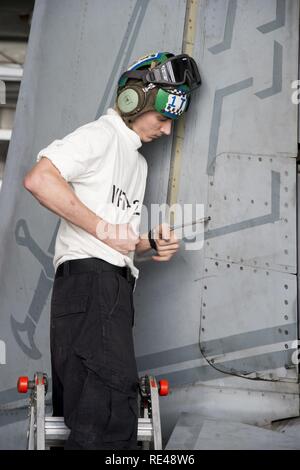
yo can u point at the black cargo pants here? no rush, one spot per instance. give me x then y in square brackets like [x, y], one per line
[94, 373]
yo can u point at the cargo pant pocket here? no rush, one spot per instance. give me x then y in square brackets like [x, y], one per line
[67, 319]
[123, 420]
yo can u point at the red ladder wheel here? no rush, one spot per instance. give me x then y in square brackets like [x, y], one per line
[163, 387]
[23, 384]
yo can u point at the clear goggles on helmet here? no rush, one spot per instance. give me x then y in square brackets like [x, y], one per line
[178, 70]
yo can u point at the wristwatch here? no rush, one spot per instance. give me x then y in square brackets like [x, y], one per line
[152, 241]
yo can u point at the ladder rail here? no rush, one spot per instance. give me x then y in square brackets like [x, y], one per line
[155, 413]
[40, 417]
[30, 433]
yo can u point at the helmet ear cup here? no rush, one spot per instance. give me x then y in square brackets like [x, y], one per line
[131, 100]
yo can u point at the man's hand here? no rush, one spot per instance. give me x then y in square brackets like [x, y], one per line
[166, 243]
[120, 237]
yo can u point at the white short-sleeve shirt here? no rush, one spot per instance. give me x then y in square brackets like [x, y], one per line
[101, 162]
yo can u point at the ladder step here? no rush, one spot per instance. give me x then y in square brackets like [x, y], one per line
[56, 432]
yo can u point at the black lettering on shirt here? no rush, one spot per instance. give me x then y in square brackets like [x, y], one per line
[119, 197]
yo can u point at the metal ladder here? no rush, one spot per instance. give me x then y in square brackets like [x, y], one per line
[48, 431]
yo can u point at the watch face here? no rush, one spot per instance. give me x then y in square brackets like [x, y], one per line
[128, 100]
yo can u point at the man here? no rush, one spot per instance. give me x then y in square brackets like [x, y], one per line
[95, 179]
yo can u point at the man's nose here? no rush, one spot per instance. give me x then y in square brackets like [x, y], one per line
[167, 127]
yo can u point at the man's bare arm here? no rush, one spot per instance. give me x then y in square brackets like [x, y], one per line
[46, 184]
[52, 191]
[143, 246]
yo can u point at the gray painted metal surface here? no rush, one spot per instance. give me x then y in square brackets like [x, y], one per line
[238, 316]
[230, 398]
[198, 432]
[289, 427]
[238, 159]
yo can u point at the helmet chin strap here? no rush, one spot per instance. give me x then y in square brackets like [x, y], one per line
[128, 120]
